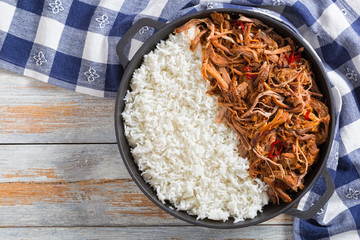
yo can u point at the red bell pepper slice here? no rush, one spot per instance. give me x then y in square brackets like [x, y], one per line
[236, 24]
[249, 76]
[273, 152]
[294, 56]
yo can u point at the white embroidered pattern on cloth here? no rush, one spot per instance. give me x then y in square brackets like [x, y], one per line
[343, 11]
[351, 74]
[210, 5]
[102, 20]
[91, 74]
[351, 194]
[277, 2]
[143, 30]
[39, 58]
[320, 212]
[56, 6]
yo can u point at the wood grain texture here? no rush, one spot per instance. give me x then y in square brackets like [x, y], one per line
[85, 183]
[62, 176]
[36, 112]
[174, 233]
[85, 203]
[60, 162]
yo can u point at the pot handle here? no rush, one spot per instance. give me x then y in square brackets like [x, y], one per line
[330, 188]
[120, 47]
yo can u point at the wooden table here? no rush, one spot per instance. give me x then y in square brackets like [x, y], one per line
[62, 176]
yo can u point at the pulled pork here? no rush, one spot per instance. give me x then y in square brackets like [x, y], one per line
[267, 93]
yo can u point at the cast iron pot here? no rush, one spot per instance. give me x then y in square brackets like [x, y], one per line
[270, 210]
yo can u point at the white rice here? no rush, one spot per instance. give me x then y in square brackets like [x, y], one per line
[183, 153]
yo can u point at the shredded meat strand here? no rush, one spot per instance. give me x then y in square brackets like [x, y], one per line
[267, 94]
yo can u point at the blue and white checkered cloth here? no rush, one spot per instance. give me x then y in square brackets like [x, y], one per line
[71, 43]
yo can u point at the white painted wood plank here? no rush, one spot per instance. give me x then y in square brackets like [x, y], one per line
[146, 233]
[59, 185]
[84, 203]
[60, 162]
[35, 112]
